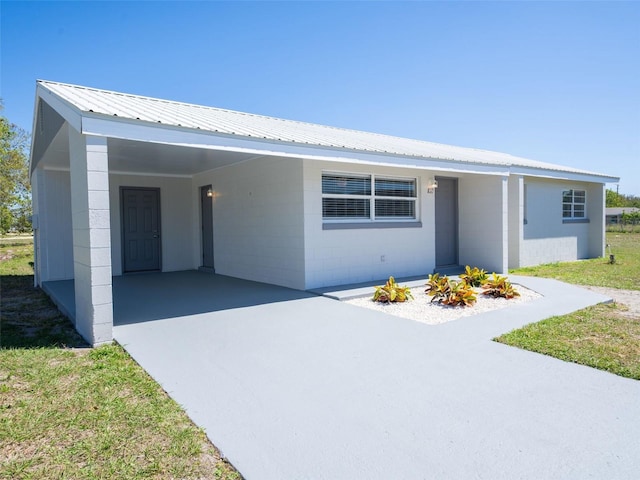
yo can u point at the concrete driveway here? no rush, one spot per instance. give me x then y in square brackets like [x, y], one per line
[311, 388]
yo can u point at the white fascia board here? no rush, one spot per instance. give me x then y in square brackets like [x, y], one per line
[560, 175]
[71, 114]
[126, 129]
[34, 125]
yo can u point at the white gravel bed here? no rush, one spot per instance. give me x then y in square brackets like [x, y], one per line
[422, 310]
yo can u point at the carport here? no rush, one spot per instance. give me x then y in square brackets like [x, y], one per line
[160, 296]
[114, 196]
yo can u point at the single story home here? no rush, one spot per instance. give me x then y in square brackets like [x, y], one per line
[124, 184]
[613, 215]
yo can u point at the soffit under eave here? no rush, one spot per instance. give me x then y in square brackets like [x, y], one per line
[563, 175]
[51, 112]
[46, 127]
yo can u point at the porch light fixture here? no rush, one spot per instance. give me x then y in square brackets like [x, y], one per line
[432, 184]
[210, 193]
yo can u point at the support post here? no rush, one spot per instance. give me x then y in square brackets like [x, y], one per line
[91, 237]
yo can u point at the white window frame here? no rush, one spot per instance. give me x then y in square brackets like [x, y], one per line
[372, 200]
[573, 203]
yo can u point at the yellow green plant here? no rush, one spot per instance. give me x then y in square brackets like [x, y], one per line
[449, 292]
[437, 287]
[474, 277]
[461, 295]
[392, 292]
[498, 286]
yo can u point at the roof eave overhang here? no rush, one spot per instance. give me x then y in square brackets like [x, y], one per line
[136, 130]
[564, 175]
[69, 113]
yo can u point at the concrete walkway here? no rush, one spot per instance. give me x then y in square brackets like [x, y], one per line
[311, 388]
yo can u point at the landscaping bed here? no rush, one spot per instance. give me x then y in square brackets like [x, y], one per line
[421, 309]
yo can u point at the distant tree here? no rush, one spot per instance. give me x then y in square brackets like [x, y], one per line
[614, 199]
[15, 190]
[632, 201]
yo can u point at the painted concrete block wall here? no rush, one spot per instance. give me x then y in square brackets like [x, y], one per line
[516, 218]
[335, 257]
[257, 220]
[483, 218]
[54, 235]
[546, 238]
[596, 198]
[176, 219]
[91, 242]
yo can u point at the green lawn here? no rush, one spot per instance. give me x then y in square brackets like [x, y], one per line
[599, 336]
[602, 336]
[624, 273]
[68, 411]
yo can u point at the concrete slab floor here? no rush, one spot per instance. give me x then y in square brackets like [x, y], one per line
[309, 387]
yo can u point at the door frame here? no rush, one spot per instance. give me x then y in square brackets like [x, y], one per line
[457, 222]
[212, 267]
[122, 242]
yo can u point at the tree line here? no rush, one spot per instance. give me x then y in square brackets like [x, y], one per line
[615, 199]
[15, 189]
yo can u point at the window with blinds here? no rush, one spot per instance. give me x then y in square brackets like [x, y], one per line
[574, 204]
[368, 197]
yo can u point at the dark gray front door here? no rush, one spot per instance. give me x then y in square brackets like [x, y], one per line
[141, 229]
[207, 226]
[446, 221]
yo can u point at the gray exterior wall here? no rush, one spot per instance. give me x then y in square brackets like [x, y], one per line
[53, 229]
[483, 222]
[546, 237]
[258, 220]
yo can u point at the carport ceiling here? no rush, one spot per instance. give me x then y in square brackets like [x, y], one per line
[128, 156]
[157, 158]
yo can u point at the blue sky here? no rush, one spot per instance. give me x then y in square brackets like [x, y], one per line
[551, 81]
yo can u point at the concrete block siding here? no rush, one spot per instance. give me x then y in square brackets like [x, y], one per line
[483, 222]
[546, 238]
[545, 250]
[258, 218]
[89, 173]
[52, 207]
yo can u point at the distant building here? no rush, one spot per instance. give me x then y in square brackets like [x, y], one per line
[614, 215]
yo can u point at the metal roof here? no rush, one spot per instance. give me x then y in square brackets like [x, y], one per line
[620, 210]
[222, 121]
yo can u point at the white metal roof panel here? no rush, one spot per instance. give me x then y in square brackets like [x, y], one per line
[229, 122]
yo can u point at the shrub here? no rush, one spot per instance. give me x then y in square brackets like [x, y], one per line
[461, 295]
[474, 277]
[449, 292]
[392, 292]
[498, 286]
[437, 287]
